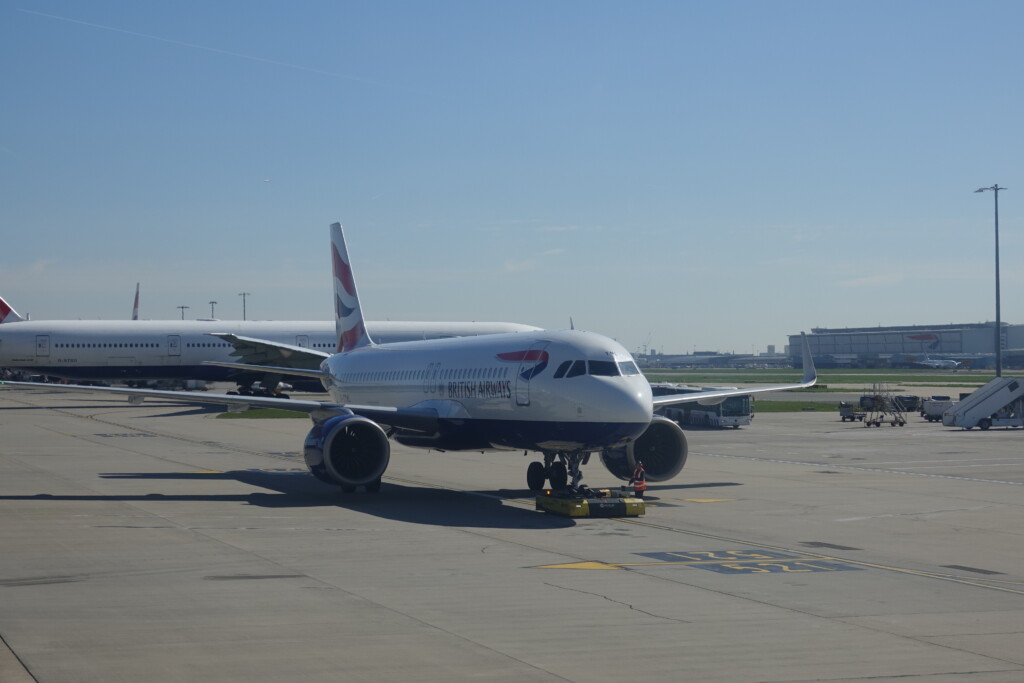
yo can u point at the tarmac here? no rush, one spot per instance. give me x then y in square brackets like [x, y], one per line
[157, 543]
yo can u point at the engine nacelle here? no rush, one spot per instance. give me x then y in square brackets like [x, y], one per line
[662, 448]
[347, 450]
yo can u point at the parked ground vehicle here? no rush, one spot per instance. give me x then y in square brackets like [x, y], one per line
[847, 411]
[882, 406]
[909, 403]
[933, 407]
[1000, 403]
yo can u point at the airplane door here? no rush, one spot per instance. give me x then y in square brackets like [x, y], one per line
[430, 378]
[174, 345]
[302, 340]
[43, 346]
[527, 366]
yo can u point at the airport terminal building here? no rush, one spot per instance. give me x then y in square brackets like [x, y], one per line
[972, 344]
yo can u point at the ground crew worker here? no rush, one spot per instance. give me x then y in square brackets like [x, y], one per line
[639, 479]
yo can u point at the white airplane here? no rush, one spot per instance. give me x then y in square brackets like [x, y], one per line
[135, 350]
[566, 394]
[937, 363]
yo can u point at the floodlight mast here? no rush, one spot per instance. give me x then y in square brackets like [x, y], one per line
[999, 324]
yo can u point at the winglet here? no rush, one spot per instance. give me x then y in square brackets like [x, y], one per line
[810, 373]
[348, 315]
[8, 314]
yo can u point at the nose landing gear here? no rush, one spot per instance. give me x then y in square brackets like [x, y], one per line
[557, 468]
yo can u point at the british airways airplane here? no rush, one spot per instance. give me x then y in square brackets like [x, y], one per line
[564, 394]
[138, 350]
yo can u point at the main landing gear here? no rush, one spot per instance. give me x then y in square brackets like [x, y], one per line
[558, 468]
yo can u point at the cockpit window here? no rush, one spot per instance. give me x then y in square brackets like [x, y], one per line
[603, 368]
[596, 368]
[628, 367]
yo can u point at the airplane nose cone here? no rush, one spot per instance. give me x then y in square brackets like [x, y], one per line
[627, 401]
[642, 404]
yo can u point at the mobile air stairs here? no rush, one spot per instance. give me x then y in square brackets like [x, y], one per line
[883, 407]
[1000, 403]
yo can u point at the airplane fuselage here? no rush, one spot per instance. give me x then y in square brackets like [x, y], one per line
[160, 349]
[552, 391]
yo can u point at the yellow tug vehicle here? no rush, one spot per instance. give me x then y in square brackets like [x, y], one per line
[591, 503]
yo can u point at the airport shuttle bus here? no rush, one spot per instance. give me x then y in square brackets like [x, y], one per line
[734, 411]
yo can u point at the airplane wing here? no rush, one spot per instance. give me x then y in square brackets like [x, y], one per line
[416, 419]
[712, 397]
[297, 372]
[251, 351]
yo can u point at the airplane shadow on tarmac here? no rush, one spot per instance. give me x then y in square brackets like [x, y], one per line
[295, 489]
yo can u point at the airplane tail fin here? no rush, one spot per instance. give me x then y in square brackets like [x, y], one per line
[8, 314]
[135, 308]
[810, 372]
[348, 314]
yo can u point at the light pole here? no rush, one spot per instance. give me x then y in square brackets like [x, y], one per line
[183, 311]
[244, 295]
[999, 324]
[212, 304]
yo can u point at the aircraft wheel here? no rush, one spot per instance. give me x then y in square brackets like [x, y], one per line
[559, 476]
[535, 476]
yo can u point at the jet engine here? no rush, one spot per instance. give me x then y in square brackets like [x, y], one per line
[349, 451]
[662, 448]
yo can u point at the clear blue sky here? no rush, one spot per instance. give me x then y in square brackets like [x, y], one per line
[683, 175]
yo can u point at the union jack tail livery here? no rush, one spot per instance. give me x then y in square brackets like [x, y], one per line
[8, 314]
[348, 315]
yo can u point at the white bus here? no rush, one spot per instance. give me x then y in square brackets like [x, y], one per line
[732, 412]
